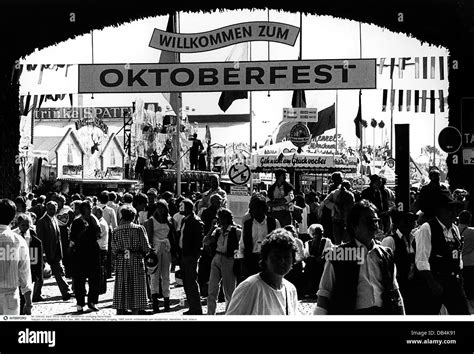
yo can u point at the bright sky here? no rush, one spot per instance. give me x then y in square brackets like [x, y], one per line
[324, 37]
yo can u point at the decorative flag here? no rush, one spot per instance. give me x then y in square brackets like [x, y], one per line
[432, 101]
[392, 99]
[417, 100]
[358, 118]
[238, 53]
[31, 67]
[392, 66]
[384, 100]
[24, 104]
[441, 101]
[423, 101]
[425, 67]
[381, 66]
[326, 121]
[433, 66]
[16, 73]
[67, 68]
[41, 101]
[417, 68]
[401, 67]
[408, 100]
[70, 99]
[400, 100]
[168, 58]
[441, 68]
[298, 100]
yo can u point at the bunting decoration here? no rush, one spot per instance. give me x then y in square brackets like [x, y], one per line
[422, 66]
[404, 100]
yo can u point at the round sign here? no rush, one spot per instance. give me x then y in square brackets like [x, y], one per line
[239, 173]
[300, 135]
[449, 140]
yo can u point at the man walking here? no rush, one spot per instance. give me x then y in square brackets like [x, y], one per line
[47, 229]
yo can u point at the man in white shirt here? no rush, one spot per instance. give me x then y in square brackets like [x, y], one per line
[438, 261]
[15, 266]
[359, 277]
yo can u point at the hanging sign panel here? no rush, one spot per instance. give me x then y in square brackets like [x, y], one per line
[300, 115]
[223, 37]
[228, 76]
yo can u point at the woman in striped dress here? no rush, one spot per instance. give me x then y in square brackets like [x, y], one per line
[129, 245]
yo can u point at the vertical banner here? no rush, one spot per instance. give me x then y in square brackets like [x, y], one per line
[382, 62]
[425, 67]
[432, 101]
[408, 100]
[384, 100]
[417, 100]
[392, 67]
[423, 101]
[392, 99]
[402, 166]
[441, 68]
[401, 67]
[433, 67]
[441, 101]
[400, 100]
[417, 68]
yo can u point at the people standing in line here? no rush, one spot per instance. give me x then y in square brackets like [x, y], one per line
[65, 217]
[129, 246]
[281, 196]
[438, 261]
[152, 195]
[112, 202]
[429, 195]
[209, 218]
[194, 152]
[103, 243]
[127, 200]
[226, 239]
[16, 271]
[214, 189]
[401, 242]
[268, 292]
[340, 201]
[47, 230]
[253, 233]
[35, 248]
[85, 257]
[467, 234]
[162, 238]
[190, 242]
[359, 277]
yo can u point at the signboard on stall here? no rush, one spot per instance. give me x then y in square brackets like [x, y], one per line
[300, 115]
[300, 135]
[72, 170]
[305, 162]
[223, 37]
[82, 112]
[328, 74]
[239, 190]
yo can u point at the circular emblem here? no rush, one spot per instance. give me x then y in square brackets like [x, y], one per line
[239, 174]
[390, 162]
[300, 135]
[449, 140]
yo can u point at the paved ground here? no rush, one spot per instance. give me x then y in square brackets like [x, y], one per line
[55, 307]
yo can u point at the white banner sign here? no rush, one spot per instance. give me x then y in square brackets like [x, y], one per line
[228, 76]
[300, 115]
[225, 36]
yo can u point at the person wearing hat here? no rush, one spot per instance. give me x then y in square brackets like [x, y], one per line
[429, 193]
[280, 195]
[438, 261]
[401, 242]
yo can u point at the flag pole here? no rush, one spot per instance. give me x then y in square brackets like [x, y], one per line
[336, 117]
[251, 125]
[360, 103]
[178, 121]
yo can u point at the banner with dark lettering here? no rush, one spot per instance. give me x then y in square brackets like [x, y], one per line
[304, 162]
[82, 112]
[225, 36]
[228, 76]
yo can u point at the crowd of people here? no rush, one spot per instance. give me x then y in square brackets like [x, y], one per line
[350, 252]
